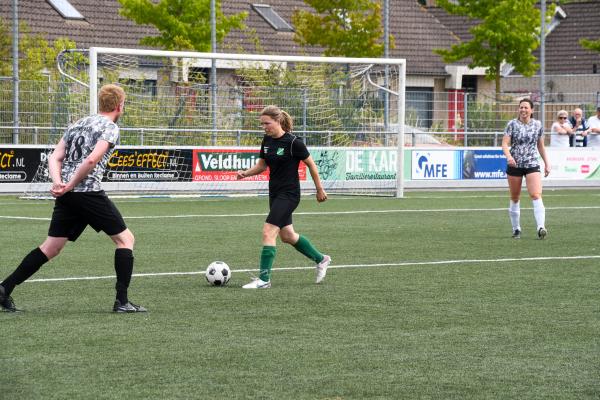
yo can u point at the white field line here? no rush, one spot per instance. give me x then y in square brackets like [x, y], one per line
[319, 213]
[398, 264]
[196, 198]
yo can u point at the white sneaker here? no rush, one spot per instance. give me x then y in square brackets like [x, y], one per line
[322, 268]
[257, 284]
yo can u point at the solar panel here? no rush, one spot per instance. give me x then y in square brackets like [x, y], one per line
[269, 15]
[65, 9]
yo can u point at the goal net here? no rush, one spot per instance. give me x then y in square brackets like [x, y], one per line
[191, 119]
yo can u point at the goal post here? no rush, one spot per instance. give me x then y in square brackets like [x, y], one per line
[181, 136]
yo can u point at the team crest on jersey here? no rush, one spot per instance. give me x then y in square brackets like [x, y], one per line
[280, 151]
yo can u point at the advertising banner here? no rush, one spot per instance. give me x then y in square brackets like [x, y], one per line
[574, 163]
[437, 164]
[19, 164]
[356, 164]
[349, 166]
[223, 164]
[483, 164]
[148, 164]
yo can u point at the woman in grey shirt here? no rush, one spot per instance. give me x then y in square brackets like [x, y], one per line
[523, 140]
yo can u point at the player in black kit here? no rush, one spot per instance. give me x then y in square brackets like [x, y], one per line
[281, 152]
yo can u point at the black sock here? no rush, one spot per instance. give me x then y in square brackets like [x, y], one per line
[123, 269]
[29, 266]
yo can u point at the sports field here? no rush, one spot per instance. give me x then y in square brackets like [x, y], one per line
[428, 297]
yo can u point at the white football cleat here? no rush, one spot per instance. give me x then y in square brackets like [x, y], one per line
[322, 268]
[257, 284]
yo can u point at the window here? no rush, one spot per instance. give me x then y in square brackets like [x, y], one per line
[142, 87]
[65, 9]
[419, 107]
[269, 15]
[469, 83]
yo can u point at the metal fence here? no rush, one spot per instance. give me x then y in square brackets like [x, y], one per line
[432, 118]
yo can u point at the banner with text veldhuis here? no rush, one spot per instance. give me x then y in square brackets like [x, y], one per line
[20, 164]
[222, 165]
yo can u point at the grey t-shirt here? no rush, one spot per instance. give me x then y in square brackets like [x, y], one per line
[524, 139]
[81, 139]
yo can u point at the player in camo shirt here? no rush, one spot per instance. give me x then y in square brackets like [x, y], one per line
[523, 140]
[76, 167]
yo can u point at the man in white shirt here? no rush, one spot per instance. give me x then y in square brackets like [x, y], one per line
[594, 130]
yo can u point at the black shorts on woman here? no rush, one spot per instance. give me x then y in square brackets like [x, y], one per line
[283, 156]
[516, 171]
[281, 207]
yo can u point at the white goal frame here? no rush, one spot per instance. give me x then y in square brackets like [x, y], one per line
[94, 52]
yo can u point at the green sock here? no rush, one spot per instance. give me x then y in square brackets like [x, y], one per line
[304, 246]
[267, 256]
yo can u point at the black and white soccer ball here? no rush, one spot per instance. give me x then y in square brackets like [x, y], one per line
[218, 273]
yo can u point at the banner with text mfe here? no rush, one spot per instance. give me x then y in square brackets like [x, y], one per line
[483, 164]
[436, 164]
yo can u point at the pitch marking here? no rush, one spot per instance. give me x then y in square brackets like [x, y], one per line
[320, 213]
[398, 264]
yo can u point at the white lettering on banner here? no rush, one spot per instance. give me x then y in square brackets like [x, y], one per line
[16, 176]
[354, 161]
[229, 162]
[382, 160]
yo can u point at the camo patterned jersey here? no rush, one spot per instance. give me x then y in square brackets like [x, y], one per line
[80, 139]
[524, 139]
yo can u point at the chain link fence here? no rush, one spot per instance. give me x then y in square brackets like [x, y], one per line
[451, 118]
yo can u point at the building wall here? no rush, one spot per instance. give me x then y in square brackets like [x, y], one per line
[440, 101]
[559, 88]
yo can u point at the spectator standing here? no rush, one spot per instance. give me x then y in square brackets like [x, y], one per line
[580, 128]
[594, 129]
[561, 130]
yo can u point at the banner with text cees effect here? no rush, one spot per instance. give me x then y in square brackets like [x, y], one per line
[19, 164]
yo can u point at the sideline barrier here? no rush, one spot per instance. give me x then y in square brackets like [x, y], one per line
[213, 169]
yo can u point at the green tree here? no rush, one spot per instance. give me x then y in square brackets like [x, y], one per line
[5, 49]
[593, 45]
[37, 55]
[183, 24]
[508, 31]
[349, 28]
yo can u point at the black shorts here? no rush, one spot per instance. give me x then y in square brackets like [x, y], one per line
[281, 208]
[74, 211]
[514, 171]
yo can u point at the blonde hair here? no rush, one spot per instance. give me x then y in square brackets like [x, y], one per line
[109, 98]
[284, 119]
[562, 113]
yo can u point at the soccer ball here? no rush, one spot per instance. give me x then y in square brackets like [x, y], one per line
[218, 273]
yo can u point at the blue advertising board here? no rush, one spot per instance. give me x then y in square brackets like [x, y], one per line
[483, 164]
